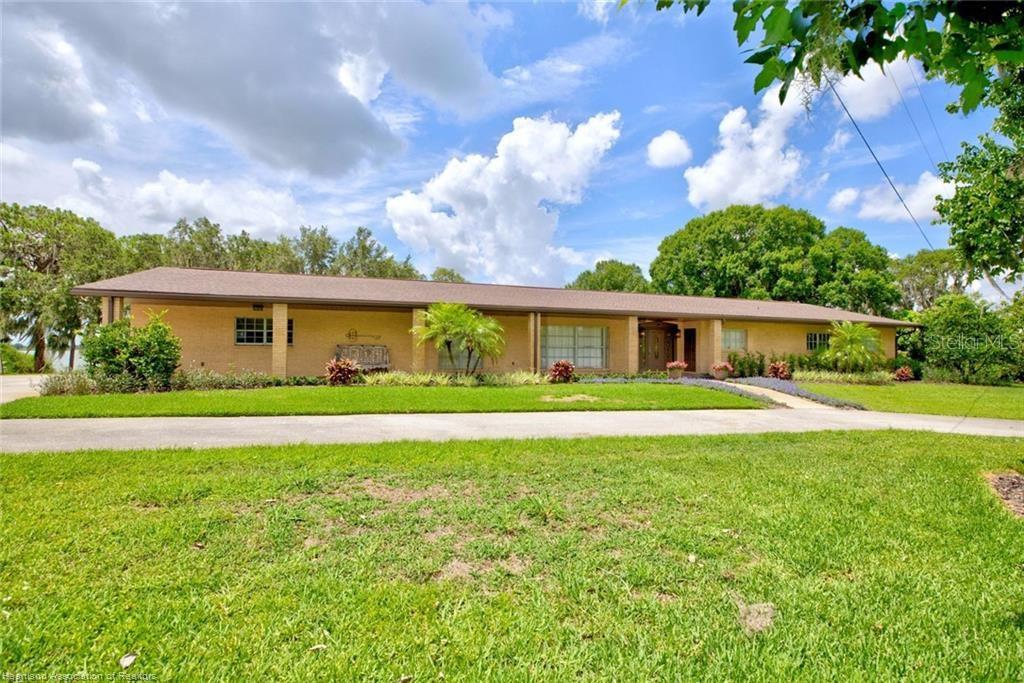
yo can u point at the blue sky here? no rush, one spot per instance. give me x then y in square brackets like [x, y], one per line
[511, 141]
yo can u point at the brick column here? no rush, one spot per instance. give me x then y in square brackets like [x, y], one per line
[715, 335]
[279, 350]
[419, 351]
[632, 344]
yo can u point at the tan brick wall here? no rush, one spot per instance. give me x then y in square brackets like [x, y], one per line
[786, 338]
[207, 332]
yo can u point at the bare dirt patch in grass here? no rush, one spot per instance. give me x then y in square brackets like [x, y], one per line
[573, 398]
[459, 569]
[756, 617]
[398, 494]
[437, 534]
[1009, 486]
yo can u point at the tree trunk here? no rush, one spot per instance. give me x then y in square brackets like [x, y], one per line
[995, 286]
[40, 352]
[71, 354]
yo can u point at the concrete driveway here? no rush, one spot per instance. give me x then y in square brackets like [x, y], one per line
[137, 433]
[18, 386]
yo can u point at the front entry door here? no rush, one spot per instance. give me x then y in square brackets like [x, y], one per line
[690, 348]
[655, 350]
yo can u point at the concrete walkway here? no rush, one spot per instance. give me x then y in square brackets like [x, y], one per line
[148, 432]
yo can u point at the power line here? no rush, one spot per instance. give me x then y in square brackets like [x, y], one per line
[877, 161]
[892, 78]
[928, 110]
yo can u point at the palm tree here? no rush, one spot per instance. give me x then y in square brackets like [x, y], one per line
[853, 347]
[454, 328]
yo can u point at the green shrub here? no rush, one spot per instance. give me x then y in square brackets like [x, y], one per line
[853, 347]
[132, 358]
[903, 361]
[512, 379]
[833, 377]
[966, 337]
[17, 362]
[930, 373]
[401, 378]
[71, 383]
[201, 379]
[747, 364]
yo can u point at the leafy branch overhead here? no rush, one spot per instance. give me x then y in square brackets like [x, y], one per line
[967, 43]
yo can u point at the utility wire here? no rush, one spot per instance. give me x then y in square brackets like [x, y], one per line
[892, 78]
[877, 161]
[928, 110]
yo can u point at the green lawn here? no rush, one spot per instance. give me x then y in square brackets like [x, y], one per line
[883, 557]
[933, 399]
[364, 399]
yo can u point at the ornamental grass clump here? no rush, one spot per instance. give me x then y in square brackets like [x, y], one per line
[342, 371]
[562, 372]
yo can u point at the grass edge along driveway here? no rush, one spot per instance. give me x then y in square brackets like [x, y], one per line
[962, 400]
[372, 399]
[780, 557]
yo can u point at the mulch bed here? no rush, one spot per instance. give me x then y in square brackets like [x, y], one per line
[1009, 486]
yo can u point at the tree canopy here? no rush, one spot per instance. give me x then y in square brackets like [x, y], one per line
[612, 276]
[986, 212]
[751, 252]
[43, 254]
[928, 274]
[364, 256]
[967, 43]
[446, 275]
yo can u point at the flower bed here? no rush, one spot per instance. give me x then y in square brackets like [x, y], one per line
[791, 388]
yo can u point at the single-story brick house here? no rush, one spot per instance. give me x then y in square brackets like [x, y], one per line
[293, 324]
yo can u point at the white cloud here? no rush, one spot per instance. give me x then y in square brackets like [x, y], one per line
[492, 216]
[362, 76]
[668, 150]
[840, 139]
[654, 109]
[289, 84]
[596, 10]
[873, 95]
[236, 205]
[843, 199]
[880, 202]
[754, 163]
[556, 75]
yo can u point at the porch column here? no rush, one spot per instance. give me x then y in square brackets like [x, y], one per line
[279, 349]
[118, 307]
[632, 344]
[679, 342]
[106, 310]
[419, 351]
[535, 350]
[715, 329]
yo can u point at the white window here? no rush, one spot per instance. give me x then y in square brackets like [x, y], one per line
[586, 346]
[257, 331]
[734, 340]
[445, 363]
[817, 340]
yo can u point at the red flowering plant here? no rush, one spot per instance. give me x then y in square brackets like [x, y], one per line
[903, 374]
[780, 370]
[561, 372]
[342, 371]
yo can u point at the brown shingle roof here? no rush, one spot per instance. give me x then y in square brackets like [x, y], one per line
[188, 283]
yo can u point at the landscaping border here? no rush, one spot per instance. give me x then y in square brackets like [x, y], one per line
[790, 387]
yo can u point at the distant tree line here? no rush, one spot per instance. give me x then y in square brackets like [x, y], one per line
[46, 252]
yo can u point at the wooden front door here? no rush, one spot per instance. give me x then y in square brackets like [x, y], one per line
[655, 348]
[690, 348]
